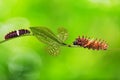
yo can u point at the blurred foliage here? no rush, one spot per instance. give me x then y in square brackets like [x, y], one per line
[94, 18]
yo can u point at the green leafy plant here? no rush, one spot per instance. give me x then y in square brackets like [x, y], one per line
[53, 41]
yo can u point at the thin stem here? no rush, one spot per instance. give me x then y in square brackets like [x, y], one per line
[68, 45]
[3, 41]
[15, 37]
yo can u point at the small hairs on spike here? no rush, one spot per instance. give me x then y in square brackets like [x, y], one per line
[91, 44]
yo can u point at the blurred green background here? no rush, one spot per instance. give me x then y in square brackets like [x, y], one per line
[26, 59]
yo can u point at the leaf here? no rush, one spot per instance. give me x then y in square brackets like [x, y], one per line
[53, 50]
[62, 34]
[53, 41]
[45, 35]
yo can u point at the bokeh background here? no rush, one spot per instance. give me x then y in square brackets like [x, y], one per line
[26, 59]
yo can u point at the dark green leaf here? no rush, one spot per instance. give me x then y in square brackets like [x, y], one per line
[45, 35]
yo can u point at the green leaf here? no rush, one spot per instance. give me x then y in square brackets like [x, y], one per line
[53, 41]
[45, 35]
[53, 50]
[62, 34]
